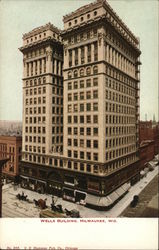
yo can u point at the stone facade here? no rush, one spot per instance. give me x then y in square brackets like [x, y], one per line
[87, 140]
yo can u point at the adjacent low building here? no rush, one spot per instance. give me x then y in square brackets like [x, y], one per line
[149, 141]
[146, 152]
[11, 148]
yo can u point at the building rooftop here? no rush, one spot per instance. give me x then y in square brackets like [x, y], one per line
[96, 4]
[40, 29]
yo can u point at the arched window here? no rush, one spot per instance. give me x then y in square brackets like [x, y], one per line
[69, 75]
[88, 71]
[95, 70]
[39, 80]
[44, 79]
[81, 72]
[75, 73]
[35, 82]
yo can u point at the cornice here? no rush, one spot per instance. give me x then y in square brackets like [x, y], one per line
[40, 43]
[110, 17]
[40, 29]
[105, 19]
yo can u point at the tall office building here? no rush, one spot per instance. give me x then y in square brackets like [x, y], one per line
[101, 99]
[101, 107]
[42, 100]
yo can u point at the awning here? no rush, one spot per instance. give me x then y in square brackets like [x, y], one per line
[104, 202]
[81, 192]
[25, 177]
[113, 196]
[126, 186]
[40, 181]
[146, 170]
[142, 172]
[120, 191]
[91, 199]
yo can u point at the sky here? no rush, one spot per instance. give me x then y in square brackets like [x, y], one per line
[20, 16]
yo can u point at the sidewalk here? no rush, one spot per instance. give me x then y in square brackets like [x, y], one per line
[148, 202]
[12, 207]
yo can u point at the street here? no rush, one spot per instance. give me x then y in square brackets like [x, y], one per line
[14, 208]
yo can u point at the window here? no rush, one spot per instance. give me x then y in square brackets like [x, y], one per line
[82, 53]
[81, 166]
[81, 155]
[95, 106]
[75, 119]
[88, 83]
[89, 54]
[75, 73]
[95, 82]
[69, 75]
[69, 119]
[95, 144]
[88, 71]
[81, 119]
[69, 153]
[75, 143]
[89, 166]
[88, 106]
[81, 107]
[88, 131]
[69, 142]
[95, 118]
[75, 108]
[75, 165]
[69, 85]
[81, 143]
[95, 70]
[75, 131]
[69, 97]
[88, 94]
[81, 95]
[88, 143]
[76, 62]
[75, 85]
[82, 131]
[75, 154]
[88, 157]
[82, 72]
[88, 118]
[44, 79]
[69, 131]
[95, 156]
[95, 131]
[75, 96]
[44, 90]
[95, 94]
[69, 108]
[81, 84]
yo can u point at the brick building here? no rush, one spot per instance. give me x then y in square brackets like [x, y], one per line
[149, 130]
[11, 147]
[146, 152]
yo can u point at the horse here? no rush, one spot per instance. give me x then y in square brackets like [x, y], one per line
[57, 208]
[22, 196]
[40, 203]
